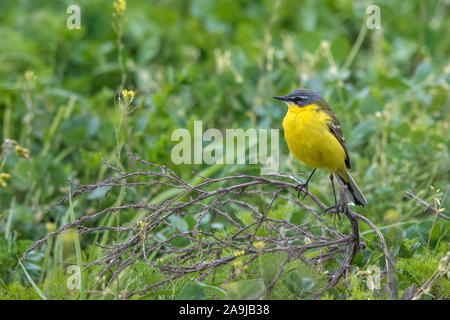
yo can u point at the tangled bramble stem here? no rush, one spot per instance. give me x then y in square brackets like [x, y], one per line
[203, 250]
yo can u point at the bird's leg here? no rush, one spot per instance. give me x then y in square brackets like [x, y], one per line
[336, 207]
[334, 191]
[304, 186]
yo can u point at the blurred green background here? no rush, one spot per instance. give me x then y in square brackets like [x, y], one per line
[221, 62]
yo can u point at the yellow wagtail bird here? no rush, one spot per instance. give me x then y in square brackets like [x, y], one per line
[314, 135]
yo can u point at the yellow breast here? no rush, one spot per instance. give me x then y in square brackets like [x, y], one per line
[309, 138]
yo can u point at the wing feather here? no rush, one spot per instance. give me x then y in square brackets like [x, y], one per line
[335, 128]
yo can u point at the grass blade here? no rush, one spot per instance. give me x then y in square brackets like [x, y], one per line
[76, 241]
[39, 292]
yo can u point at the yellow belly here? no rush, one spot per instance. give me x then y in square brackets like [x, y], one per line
[310, 140]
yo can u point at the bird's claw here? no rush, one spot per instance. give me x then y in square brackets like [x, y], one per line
[302, 187]
[335, 209]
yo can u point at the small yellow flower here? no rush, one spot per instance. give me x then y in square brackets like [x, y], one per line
[142, 224]
[239, 253]
[120, 6]
[378, 115]
[29, 76]
[22, 152]
[4, 176]
[259, 245]
[128, 96]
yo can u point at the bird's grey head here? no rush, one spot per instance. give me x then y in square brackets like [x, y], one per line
[301, 97]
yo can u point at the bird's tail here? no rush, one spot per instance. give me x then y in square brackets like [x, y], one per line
[353, 192]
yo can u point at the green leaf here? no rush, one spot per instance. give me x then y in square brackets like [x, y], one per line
[407, 251]
[357, 260]
[192, 291]
[421, 72]
[307, 284]
[435, 232]
[98, 193]
[392, 82]
[403, 129]
[361, 132]
[394, 237]
[425, 229]
[340, 49]
[298, 285]
[20, 177]
[293, 283]
[370, 105]
[245, 289]
[281, 213]
[180, 242]
[271, 265]
[219, 293]
[245, 217]
[417, 137]
[309, 40]
[148, 49]
[179, 223]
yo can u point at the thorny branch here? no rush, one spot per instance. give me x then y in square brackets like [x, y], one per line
[155, 233]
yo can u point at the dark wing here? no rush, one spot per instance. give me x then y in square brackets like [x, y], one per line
[335, 128]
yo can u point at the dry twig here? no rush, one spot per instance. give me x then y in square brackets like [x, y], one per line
[428, 207]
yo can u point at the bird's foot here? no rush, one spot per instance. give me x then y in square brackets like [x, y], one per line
[335, 209]
[302, 187]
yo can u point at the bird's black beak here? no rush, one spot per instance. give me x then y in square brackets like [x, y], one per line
[282, 98]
